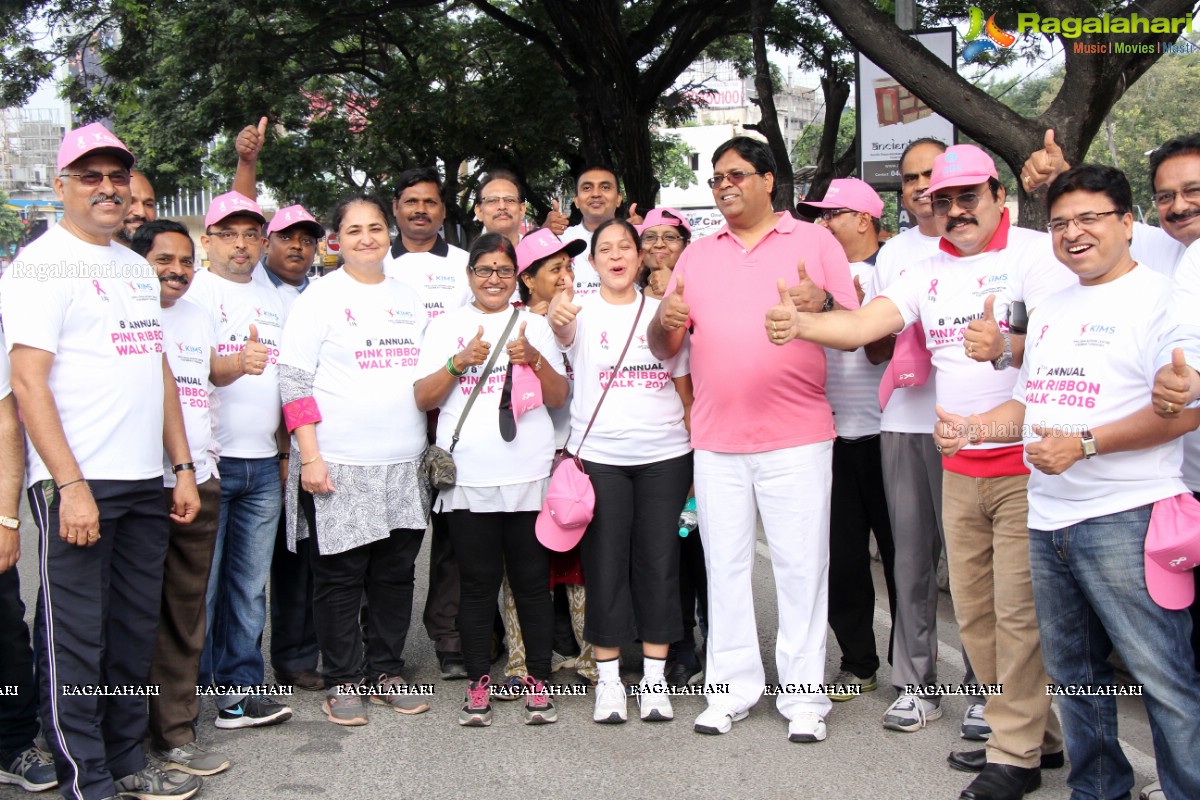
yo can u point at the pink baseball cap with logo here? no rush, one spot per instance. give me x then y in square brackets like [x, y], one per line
[961, 165]
[568, 508]
[542, 243]
[1173, 551]
[526, 389]
[663, 216]
[292, 216]
[89, 140]
[849, 193]
[231, 204]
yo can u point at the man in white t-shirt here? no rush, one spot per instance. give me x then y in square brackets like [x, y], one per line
[247, 316]
[421, 258]
[142, 208]
[500, 205]
[597, 196]
[81, 316]
[1102, 461]
[190, 344]
[850, 210]
[292, 236]
[961, 296]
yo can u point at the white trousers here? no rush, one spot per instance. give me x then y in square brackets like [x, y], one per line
[789, 489]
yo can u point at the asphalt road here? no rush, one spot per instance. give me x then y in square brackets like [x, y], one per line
[430, 756]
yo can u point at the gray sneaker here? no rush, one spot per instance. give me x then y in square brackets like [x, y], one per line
[32, 770]
[847, 686]
[155, 783]
[910, 713]
[191, 758]
[344, 705]
[393, 690]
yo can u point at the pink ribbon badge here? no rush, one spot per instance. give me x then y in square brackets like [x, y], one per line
[933, 287]
[604, 337]
[349, 316]
[99, 291]
[461, 344]
[1043, 333]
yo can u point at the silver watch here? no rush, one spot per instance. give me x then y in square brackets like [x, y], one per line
[12, 523]
[1004, 360]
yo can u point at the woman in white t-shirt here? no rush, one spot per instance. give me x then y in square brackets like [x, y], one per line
[503, 466]
[639, 457]
[348, 355]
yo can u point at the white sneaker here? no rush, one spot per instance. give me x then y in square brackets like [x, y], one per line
[610, 702]
[910, 713]
[715, 719]
[654, 702]
[806, 726]
[1152, 791]
[974, 726]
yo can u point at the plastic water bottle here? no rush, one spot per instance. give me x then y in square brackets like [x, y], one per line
[687, 517]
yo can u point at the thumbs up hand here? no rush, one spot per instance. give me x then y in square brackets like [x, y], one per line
[634, 218]
[250, 140]
[563, 309]
[1044, 165]
[806, 294]
[1055, 452]
[982, 338]
[781, 318]
[1175, 385]
[474, 354]
[951, 432]
[556, 221]
[253, 357]
[675, 313]
[520, 351]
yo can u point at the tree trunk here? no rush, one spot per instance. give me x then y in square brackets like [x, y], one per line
[835, 92]
[768, 124]
[1090, 88]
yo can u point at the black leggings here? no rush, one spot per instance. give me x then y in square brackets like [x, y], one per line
[487, 545]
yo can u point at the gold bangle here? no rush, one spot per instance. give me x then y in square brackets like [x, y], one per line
[312, 460]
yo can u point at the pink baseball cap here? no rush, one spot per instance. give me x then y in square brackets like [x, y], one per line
[1173, 551]
[231, 204]
[526, 389]
[961, 165]
[292, 216]
[542, 243]
[90, 139]
[663, 216]
[911, 364]
[568, 508]
[849, 193]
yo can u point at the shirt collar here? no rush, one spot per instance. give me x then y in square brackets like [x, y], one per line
[440, 248]
[999, 239]
[277, 281]
[784, 223]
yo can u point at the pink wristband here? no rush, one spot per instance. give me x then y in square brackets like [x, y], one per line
[301, 412]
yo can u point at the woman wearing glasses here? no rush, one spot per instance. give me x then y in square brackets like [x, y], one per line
[348, 356]
[638, 455]
[503, 467]
[665, 233]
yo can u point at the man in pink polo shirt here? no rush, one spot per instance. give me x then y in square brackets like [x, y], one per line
[763, 434]
[961, 296]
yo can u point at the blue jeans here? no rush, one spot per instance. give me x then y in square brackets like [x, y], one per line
[1089, 584]
[251, 500]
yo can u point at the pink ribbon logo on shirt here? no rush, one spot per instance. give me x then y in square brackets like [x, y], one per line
[99, 292]
[933, 287]
[1043, 333]
[350, 317]
[461, 344]
[604, 338]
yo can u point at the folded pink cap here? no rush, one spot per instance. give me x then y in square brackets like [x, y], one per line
[911, 364]
[1173, 551]
[526, 389]
[542, 243]
[568, 508]
[849, 193]
[294, 215]
[92, 139]
[961, 165]
[230, 204]
[663, 216]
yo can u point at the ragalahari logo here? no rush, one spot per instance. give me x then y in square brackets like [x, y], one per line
[984, 37]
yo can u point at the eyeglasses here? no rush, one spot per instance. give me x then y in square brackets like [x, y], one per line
[967, 202]
[91, 178]
[487, 272]
[1083, 221]
[735, 178]
[287, 236]
[505, 200]
[229, 237]
[1190, 194]
[830, 213]
[651, 239]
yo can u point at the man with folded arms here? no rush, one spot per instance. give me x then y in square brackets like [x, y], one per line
[982, 266]
[89, 375]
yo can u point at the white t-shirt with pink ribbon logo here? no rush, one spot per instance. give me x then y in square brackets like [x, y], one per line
[189, 340]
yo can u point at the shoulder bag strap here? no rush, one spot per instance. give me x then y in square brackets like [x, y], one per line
[486, 371]
[616, 369]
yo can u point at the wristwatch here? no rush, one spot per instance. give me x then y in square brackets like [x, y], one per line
[178, 468]
[1004, 360]
[1088, 443]
[828, 302]
[12, 523]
